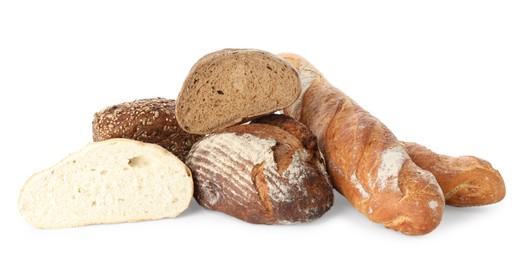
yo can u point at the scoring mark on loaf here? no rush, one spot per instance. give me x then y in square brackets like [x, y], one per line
[210, 164]
[233, 156]
[392, 160]
[429, 177]
[281, 189]
[306, 77]
[359, 186]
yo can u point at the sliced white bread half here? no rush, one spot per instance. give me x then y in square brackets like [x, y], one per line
[112, 181]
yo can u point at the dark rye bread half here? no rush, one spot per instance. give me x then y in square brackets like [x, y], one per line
[261, 174]
[231, 86]
[149, 120]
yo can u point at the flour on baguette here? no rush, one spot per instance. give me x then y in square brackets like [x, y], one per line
[392, 159]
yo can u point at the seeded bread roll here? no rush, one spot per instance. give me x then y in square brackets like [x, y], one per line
[260, 174]
[231, 86]
[112, 181]
[148, 120]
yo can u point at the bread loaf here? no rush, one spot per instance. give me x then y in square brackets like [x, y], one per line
[231, 86]
[149, 120]
[465, 180]
[260, 174]
[368, 165]
[112, 181]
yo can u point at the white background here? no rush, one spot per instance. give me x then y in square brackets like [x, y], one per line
[447, 74]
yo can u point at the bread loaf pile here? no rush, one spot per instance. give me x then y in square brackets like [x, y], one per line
[225, 142]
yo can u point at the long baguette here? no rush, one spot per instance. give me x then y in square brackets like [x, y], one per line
[465, 180]
[368, 165]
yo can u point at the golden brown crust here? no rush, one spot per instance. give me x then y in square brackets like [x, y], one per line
[366, 162]
[465, 180]
[148, 120]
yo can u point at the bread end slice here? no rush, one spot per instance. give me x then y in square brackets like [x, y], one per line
[231, 86]
[117, 180]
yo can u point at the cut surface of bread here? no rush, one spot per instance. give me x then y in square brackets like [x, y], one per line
[112, 181]
[233, 86]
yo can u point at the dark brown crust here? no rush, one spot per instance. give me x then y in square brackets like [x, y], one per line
[353, 142]
[300, 206]
[465, 180]
[300, 131]
[233, 86]
[148, 120]
[292, 126]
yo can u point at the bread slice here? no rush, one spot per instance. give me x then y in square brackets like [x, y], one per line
[117, 180]
[231, 86]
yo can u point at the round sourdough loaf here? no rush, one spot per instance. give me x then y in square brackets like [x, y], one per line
[261, 174]
[149, 120]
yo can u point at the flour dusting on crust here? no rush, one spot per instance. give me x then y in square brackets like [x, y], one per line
[392, 160]
[359, 186]
[433, 204]
[249, 150]
[306, 77]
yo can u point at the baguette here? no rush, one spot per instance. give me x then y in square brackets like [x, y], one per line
[368, 165]
[112, 181]
[465, 180]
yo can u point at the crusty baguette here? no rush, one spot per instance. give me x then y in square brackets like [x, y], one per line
[150, 120]
[465, 180]
[368, 165]
[260, 174]
[117, 180]
[233, 86]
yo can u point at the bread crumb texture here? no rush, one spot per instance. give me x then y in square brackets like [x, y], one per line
[233, 86]
[112, 181]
